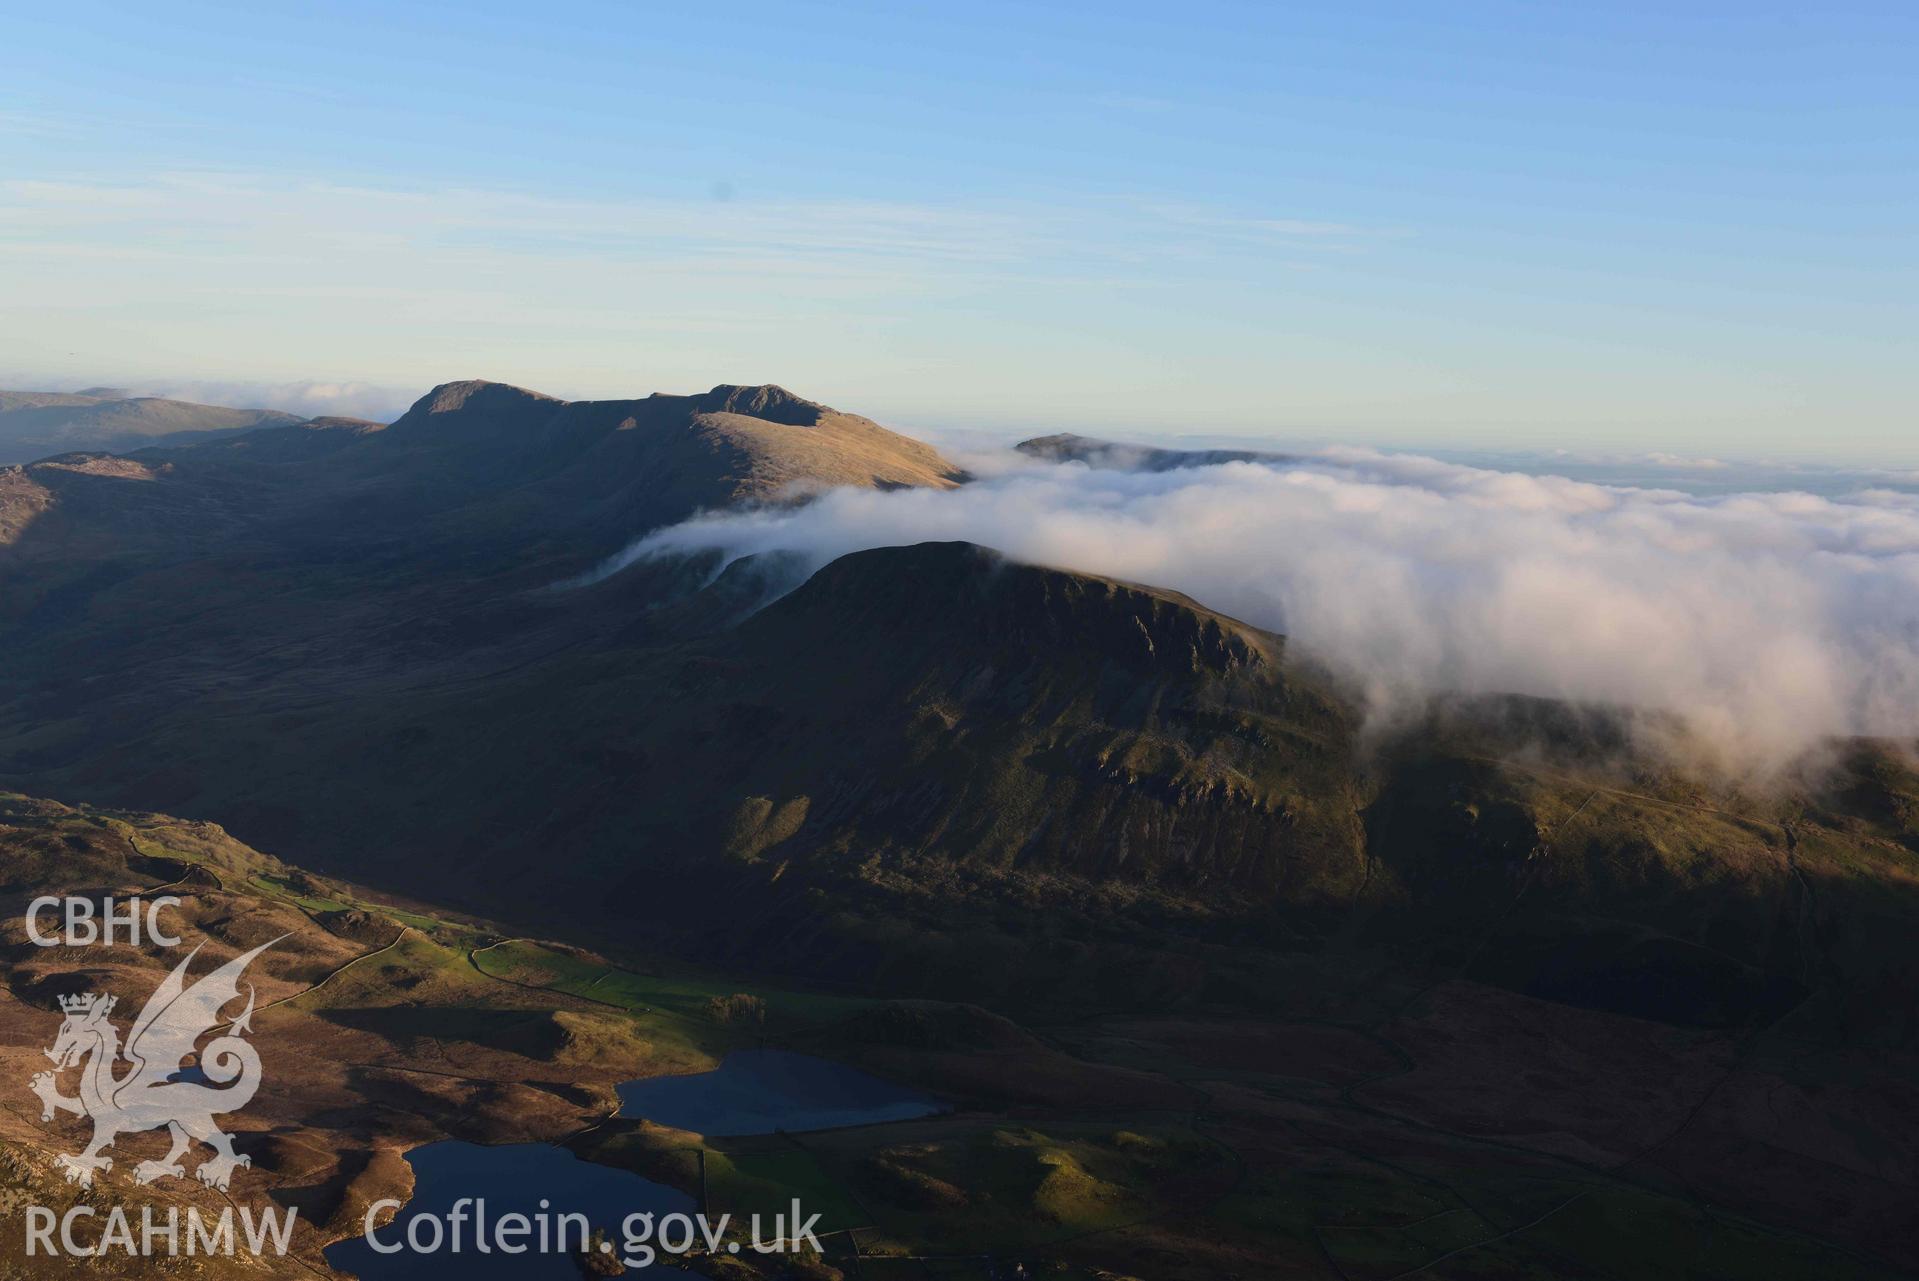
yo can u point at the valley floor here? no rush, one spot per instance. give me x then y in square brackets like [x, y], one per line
[1371, 1121]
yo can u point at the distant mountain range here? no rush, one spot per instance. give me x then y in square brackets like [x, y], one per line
[923, 770]
[35, 424]
[343, 639]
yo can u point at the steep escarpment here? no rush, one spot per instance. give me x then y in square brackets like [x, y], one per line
[908, 720]
[1066, 723]
[960, 596]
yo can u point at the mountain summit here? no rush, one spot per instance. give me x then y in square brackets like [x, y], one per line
[775, 404]
[481, 474]
[682, 452]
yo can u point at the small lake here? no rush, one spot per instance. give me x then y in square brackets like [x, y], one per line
[751, 1092]
[511, 1179]
[760, 1091]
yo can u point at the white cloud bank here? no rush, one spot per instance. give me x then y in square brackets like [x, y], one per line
[1768, 620]
[312, 398]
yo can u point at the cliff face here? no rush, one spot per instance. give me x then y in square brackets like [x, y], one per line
[1049, 723]
[960, 598]
[907, 722]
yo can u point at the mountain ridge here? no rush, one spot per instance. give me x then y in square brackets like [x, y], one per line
[39, 424]
[277, 626]
[1179, 846]
[474, 465]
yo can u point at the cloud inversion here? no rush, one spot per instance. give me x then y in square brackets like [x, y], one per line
[1767, 620]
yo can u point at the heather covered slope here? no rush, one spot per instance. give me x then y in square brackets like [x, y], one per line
[38, 424]
[374, 1032]
[1348, 1110]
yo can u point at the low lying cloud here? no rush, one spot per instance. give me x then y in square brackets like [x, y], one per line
[1768, 620]
[308, 398]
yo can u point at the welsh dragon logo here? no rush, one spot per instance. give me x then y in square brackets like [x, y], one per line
[158, 1088]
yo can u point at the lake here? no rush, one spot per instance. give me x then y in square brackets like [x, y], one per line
[760, 1091]
[512, 1178]
[751, 1092]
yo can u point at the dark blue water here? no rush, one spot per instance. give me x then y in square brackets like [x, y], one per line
[760, 1091]
[751, 1092]
[510, 1179]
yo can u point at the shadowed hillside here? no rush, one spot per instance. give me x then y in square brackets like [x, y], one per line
[930, 706]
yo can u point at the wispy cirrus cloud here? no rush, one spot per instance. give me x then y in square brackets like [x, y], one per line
[173, 215]
[184, 273]
[1240, 227]
[1304, 227]
[169, 214]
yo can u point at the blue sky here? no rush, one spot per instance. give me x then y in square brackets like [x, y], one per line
[1626, 225]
